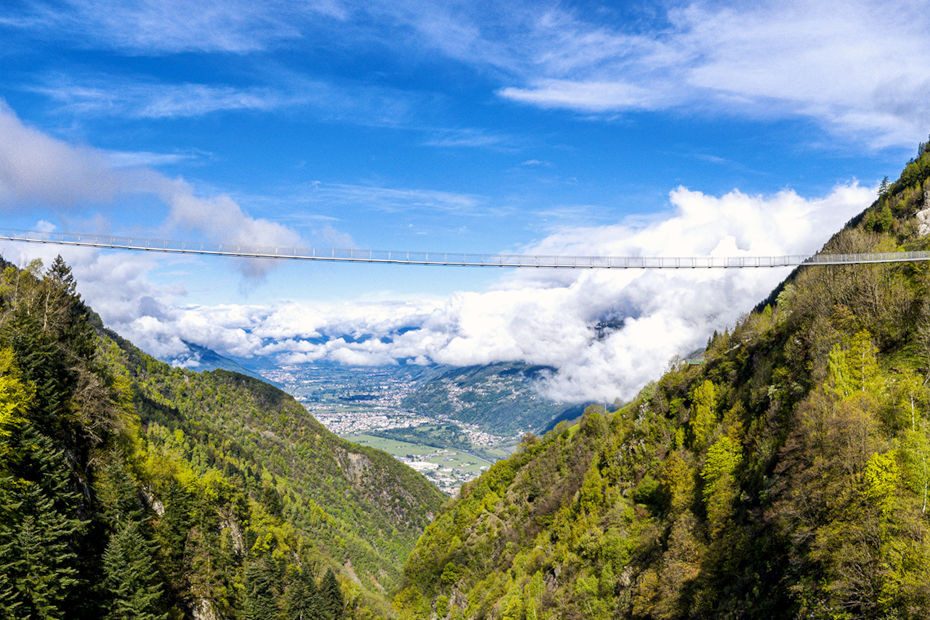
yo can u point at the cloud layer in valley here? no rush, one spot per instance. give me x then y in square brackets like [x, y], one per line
[606, 333]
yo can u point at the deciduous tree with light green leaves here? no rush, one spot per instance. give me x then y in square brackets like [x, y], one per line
[718, 474]
[703, 414]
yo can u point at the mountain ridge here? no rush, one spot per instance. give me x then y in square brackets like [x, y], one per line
[129, 485]
[784, 476]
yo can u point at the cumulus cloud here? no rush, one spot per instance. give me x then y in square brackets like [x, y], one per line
[38, 169]
[605, 333]
[35, 167]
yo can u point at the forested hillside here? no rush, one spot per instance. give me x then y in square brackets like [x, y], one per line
[786, 476]
[132, 489]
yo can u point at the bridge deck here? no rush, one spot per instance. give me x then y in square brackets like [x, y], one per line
[455, 259]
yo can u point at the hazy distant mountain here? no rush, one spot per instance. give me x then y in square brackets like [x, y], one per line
[202, 359]
[500, 398]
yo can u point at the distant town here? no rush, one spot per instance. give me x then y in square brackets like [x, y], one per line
[366, 405]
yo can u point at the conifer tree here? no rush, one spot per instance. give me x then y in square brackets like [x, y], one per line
[331, 600]
[38, 359]
[303, 599]
[37, 528]
[63, 313]
[171, 533]
[132, 578]
[119, 495]
[883, 188]
[259, 593]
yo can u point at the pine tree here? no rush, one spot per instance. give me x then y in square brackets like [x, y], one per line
[64, 316]
[132, 578]
[119, 495]
[37, 528]
[303, 599]
[271, 500]
[171, 533]
[259, 593]
[331, 600]
[885, 221]
[38, 359]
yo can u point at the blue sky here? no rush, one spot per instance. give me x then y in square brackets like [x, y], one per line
[445, 126]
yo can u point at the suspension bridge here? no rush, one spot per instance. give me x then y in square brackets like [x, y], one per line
[453, 259]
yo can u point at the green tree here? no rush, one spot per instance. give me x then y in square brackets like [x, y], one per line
[720, 488]
[839, 382]
[271, 500]
[703, 414]
[132, 578]
[303, 599]
[16, 397]
[37, 528]
[259, 592]
[882, 475]
[914, 454]
[883, 188]
[171, 533]
[38, 358]
[331, 600]
[677, 482]
[863, 364]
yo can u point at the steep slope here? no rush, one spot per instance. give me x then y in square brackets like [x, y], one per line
[786, 476]
[131, 488]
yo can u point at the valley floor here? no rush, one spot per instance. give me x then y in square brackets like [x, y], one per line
[366, 406]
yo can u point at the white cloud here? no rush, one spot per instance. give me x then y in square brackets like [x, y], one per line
[137, 159]
[856, 67]
[606, 333]
[588, 96]
[155, 27]
[36, 168]
[392, 199]
[467, 138]
[276, 89]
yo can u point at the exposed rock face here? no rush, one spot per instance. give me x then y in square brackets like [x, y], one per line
[204, 610]
[923, 217]
[357, 466]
